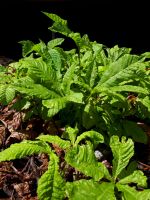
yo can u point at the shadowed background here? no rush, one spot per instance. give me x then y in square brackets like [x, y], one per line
[108, 22]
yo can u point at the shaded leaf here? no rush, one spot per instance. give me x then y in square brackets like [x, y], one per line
[133, 130]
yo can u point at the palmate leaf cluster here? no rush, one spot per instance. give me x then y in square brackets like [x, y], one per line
[97, 90]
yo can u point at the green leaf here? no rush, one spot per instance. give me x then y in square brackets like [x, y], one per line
[54, 105]
[128, 170]
[106, 91]
[125, 68]
[130, 88]
[57, 104]
[145, 101]
[71, 134]
[26, 47]
[25, 148]
[130, 193]
[10, 94]
[55, 42]
[83, 159]
[38, 70]
[91, 67]
[94, 136]
[2, 69]
[77, 39]
[68, 78]
[90, 116]
[2, 94]
[37, 90]
[90, 190]
[132, 129]
[122, 152]
[136, 177]
[59, 25]
[7, 94]
[54, 139]
[55, 18]
[22, 104]
[56, 59]
[51, 185]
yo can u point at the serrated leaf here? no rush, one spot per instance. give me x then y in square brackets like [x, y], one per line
[128, 170]
[130, 88]
[71, 134]
[122, 152]
[90, 190]
[37, 90]
[123, 69]
[115, 52]
[2, 94]
[51, 185]
[25, 148]
[56, 60]
[83, 159]
[136, 177]
[26, 47]
[55, 42]
[21, 104]
[40, 49]
[39, 70]
[10, 94]
[68, 78]
[54, 139]
[55, 18]
[77, 39]
[94, 136]
[7, 94]
[130, 193]
[57, 104]
[54, 105]
[59, 25]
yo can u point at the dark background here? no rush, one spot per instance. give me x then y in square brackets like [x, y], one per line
[109, 22]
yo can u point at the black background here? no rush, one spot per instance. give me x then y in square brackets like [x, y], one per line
[109, 22]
